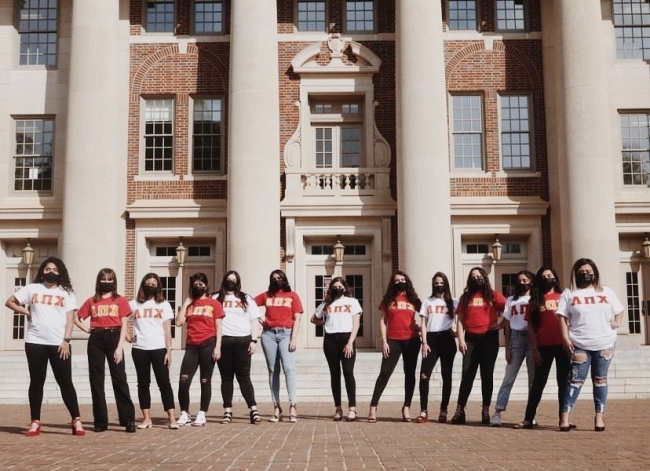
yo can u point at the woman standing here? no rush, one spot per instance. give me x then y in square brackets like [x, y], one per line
[591, 313]
[517, 345]
[545, 337]
[152, 347]
[478, 339]
[438, 341]
[238, 343]
[400, 336]
[340, 316]
[279, 339]
[202, 347]
[108, 312]
[50, 306]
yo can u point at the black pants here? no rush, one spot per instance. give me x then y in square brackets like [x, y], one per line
[482, 351]
[409, 349]
[235, 361]
[333, 345]
[145, 361]
[562, 370]
[101, 348]
[443, 346]
[197, 356]
[37, 358]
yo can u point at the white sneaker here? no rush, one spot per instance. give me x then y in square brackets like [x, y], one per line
[199, 420]
[496, 420]
[184, 419]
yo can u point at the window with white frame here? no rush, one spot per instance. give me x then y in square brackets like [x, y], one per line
[207, 135]
[208, 16]
[515, 132]
[158, 135]
[632, 28]
[38, 32]
[635, 152]
[34, 154]
[467, 131]
[359, 16]
[338, 133]
[311, 15]
[633, 302]
[511, 15]
[462, 15]
[160, 16]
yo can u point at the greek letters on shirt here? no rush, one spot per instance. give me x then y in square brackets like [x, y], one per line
[204, 311]
[598, 299]
[347, 308]
[402, 305]
[437, 309]
[228, 304]
[148, 313]
[48, 300]
[105, 310]
[549, 305]
[279, 302]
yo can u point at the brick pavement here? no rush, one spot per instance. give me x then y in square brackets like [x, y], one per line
[318, 443]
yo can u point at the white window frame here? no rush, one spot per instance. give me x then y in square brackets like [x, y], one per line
[450, 14]
[50, 57]
[143, 127]
[145, 20]
[298, 16]
[631, 18]
[636, 143]
[34, 170]
[455, 131]
[221, 136]
[220, 29]
[346, 23]
[505, 128]
[507, 6]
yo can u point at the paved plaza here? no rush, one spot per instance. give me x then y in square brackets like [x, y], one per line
[318, 443]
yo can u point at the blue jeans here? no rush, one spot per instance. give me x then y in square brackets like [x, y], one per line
[519, 349]
[581, 360]
[275, 343]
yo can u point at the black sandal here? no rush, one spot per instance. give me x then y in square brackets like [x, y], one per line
[227, 417]
[255, 416]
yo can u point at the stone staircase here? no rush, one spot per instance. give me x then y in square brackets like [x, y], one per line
[629, 378]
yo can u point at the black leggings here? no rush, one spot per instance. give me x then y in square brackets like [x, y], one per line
[409, 349]
[37, 359]
[443, 346]
[197, 356]
[482, 351]
[562, 370]
[333, 345]
[145, 361]
[235, 361]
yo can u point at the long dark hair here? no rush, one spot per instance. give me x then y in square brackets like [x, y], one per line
[328, 296]
[286, 287]
[537, 292]
[392, 292]
[574, 270]
[64, 277]
[447, 293]
[158, 297]
[237, 291]
[486, 292]
[111, 274]
[529, 274]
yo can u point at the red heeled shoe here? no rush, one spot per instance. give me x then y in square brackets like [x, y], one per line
[34, 433]
[77, 432]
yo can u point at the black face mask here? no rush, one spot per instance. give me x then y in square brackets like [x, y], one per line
[277, 285]
[106, 287]
[476, 284]
[439, 289]
[230, 285]
[51, 277]
[521, 288]
[149, 291]
[337, 292]
[401, 286]
[548, 283]
[584, 279]
[198, 291]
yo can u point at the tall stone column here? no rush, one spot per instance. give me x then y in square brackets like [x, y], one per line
[423, 189]
[95, 162]
[254, 144]
[585, 154]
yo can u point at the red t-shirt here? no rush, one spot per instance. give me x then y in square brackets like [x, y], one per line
[479, 315]
[400, 319]
[549, 331]
[105, 313]
[280, 308]
[200, 317]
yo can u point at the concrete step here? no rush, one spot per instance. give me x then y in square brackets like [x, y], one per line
[629, 378]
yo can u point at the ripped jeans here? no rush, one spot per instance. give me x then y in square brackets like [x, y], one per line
[581, 360]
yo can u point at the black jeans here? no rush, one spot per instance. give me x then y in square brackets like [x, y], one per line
[197, 356]
[333, 345]
[235, 361]
[145, 361]
[443, 346]
[37, 358]
[562, 370]
[482, 351]
[409, 349]
[101, 348]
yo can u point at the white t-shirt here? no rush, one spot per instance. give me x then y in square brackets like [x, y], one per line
[339, 315]
[47, 308]
[589, 313]
[516, 311]
[237, 322]
[148, 318]
[434, 310]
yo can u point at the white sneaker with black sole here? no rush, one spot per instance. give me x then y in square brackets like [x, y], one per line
[199, 420]
[184, 419]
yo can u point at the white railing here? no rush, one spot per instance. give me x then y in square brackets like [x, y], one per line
[343, 182]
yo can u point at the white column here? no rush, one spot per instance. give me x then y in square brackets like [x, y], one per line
[586, 160]
[95, 161]
[423, 189]
[254, 144]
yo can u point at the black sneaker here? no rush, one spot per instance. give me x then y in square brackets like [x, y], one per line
[458, 418]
